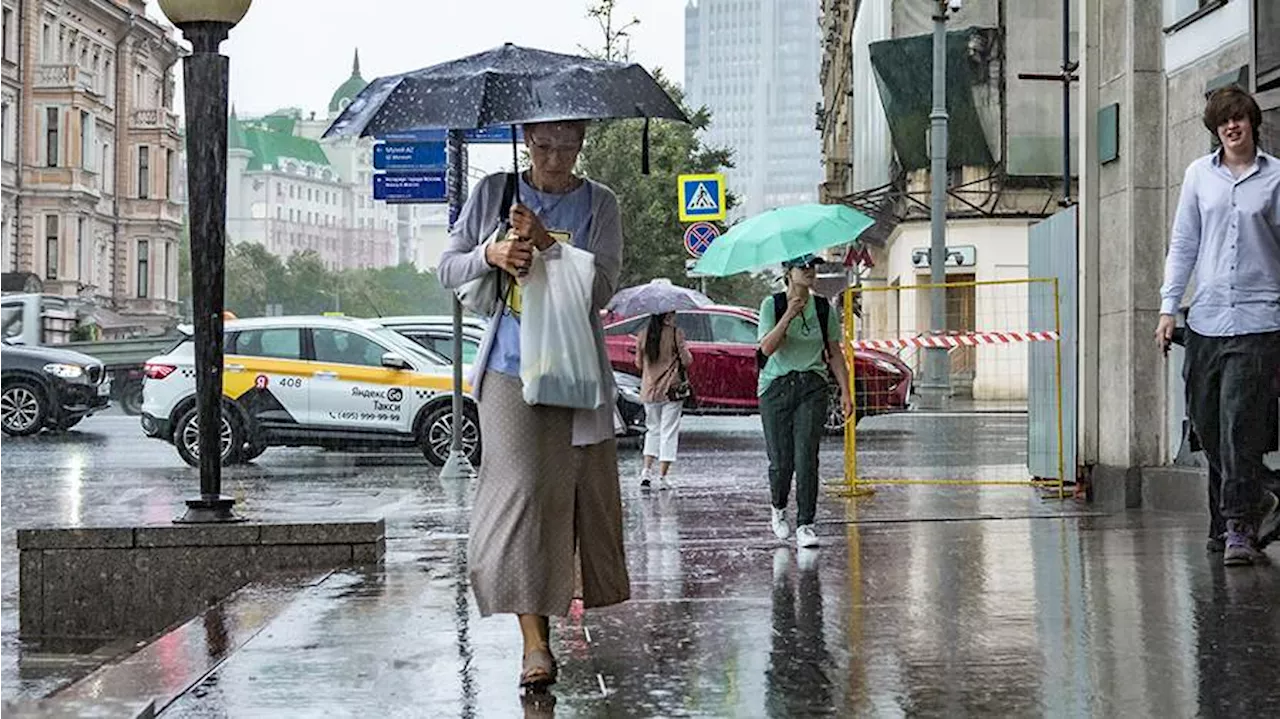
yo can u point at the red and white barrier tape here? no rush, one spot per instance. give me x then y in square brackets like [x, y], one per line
[972, 339]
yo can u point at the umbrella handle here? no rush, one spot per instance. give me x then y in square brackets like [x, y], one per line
[515, 161]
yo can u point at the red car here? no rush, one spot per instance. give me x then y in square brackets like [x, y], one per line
[723, 342]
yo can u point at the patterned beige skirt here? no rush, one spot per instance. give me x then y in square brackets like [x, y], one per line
[547, 516]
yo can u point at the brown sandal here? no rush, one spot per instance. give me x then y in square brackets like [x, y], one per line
[540, 669]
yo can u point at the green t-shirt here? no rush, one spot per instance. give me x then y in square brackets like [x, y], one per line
[801, 351]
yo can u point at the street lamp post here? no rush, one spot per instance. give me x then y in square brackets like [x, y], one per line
[936, 388]
[458, 466]
[205, 24]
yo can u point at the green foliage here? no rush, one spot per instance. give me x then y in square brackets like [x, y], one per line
[652, 232]
[257, 279]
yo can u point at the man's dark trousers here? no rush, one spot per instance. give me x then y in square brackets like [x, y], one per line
[1230, 390]
[793, 410]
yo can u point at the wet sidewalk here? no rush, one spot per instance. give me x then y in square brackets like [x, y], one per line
[989, 603]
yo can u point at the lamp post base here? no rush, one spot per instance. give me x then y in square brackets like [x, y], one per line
[934, 397]
[457, 466]
[209, 509]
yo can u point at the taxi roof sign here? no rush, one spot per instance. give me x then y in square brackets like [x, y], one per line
[701, 197]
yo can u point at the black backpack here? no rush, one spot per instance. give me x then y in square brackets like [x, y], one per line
[821, 305]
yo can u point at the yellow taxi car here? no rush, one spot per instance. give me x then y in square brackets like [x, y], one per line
[332, 382]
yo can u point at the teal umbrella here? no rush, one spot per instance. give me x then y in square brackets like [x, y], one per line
[773, 237]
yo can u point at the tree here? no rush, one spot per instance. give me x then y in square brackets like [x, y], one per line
[653, 245]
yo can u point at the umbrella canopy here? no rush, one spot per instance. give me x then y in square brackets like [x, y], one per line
[508, 85]
[778, 235]
[655, 298]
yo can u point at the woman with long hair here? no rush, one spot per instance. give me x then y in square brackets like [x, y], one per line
[663, 359]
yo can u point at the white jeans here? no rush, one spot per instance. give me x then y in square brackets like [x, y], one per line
[662, 422]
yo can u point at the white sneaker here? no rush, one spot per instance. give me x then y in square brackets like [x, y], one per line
[780, 527]
[806, 537]
[646, 478]
[664, 482]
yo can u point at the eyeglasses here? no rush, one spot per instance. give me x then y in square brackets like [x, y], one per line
[556, 148]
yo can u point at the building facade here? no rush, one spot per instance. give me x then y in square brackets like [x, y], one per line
[292, 191]
[1004, 163]
[92, 200]
[754, 65]
[1148, 67]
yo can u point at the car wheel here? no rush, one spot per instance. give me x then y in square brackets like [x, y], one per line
[186, 438]
[131, 399]
[436, 432]
[23, 408]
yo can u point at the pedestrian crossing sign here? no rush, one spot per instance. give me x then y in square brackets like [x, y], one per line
[701, 197]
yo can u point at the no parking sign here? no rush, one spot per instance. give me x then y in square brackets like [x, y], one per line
[698, 237]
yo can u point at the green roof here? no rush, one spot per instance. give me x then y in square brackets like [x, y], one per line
[348, 90]
[271, 147]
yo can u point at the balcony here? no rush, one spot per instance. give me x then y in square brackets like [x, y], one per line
[156, 118]
[153, 209]
[70, 77]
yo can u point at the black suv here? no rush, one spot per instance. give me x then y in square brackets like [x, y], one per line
[47, 387]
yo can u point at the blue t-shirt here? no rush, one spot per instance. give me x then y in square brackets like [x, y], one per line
[568, 218]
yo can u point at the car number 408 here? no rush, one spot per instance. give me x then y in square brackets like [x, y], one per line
[290, 381]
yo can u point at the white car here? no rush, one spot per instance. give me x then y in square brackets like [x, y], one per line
[435, 332]
[311, 381]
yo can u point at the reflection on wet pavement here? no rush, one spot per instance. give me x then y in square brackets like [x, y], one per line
[990, 602]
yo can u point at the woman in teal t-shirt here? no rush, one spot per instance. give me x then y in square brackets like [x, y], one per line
[793, 393]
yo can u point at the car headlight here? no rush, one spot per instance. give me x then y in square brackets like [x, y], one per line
[65, 371]
[628, 387]
[886, 366]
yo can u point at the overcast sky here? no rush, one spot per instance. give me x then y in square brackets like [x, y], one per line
[295, 53]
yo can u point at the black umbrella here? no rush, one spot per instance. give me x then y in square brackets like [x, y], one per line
[509, 85]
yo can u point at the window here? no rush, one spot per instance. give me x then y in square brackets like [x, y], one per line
[46, 43]
[108, 177]
[51, 136]
[309, 197]
[1177, 10]
[168, 270]
[279, 343]
[10, 36]
[144, 172]
[11, 319]
[292, 193]
[168, 173]
[51, 247]
[10, 131]
[144, 268]
[342, 347]
[732, 330]
[86, 140]
[442, 345]
[1266, 26]
[4, 133]
[629, 328]
[694, 326]
[81, 272]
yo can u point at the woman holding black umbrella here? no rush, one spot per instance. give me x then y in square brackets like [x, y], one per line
[547, 508]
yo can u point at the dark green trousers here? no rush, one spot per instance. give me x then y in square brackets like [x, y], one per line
[793, 410]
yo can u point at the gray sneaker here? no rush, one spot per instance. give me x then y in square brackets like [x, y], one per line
[1241, 549]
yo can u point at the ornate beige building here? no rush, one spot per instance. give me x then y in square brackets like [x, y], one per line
[92, 155]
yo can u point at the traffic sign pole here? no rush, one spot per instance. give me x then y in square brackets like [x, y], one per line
[458, 466]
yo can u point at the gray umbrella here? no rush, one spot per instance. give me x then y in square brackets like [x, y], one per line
[656, 297]
[509, 85]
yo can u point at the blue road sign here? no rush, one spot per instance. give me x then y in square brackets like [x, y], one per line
[410, 186]
[409, 156]
[701, 197]
[698, 237]
[480, 136]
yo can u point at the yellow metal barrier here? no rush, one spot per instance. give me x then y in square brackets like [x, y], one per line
[987, 332]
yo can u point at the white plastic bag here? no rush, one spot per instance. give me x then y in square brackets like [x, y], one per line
[558, 361]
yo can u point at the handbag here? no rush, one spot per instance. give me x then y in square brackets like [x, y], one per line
[482, 295]
[682, 390]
